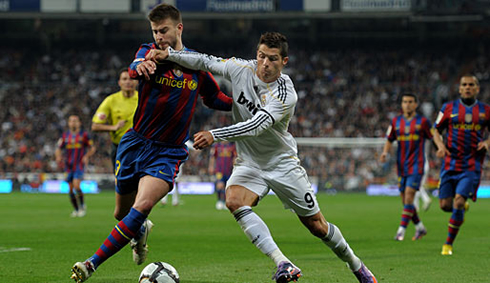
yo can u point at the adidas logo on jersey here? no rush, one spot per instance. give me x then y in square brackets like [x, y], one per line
[249, 104]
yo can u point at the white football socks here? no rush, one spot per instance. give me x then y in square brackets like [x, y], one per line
[340, 247]
[258, 233]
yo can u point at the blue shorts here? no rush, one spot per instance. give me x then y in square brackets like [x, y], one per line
[77, 174]
[137, 157]
[463, 183]
[412, 181]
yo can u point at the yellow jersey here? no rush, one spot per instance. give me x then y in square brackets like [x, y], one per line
[114, 108]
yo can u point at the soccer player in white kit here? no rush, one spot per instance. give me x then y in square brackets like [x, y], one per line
[263, 104]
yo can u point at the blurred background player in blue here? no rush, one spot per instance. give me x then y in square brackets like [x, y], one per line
[150, 154]
[75, 148]
[115, 113]
[222, 157]
[410, 130]
[463, 150]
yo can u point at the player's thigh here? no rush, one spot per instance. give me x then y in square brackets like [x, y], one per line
[447, 185]
[468, 183]
[249, 178]
[127, 162]
[290, 183]
[150, 191]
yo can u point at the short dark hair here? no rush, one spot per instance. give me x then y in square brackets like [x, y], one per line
[275, 40]
[469, 75]
[409, 94]
[122, 70]
[164, 11]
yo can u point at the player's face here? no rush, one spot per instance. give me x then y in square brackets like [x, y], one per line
[126, 83]
[468, 87]
[74, 123]
[409, 105]
[167, 33]
[269, 63]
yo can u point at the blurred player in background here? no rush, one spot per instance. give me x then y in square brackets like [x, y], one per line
[150, 154]
[410, 130]
[222, 156]
[115, 113]
[463, 149]
[264, 101]
[421, 194]
[75, 147]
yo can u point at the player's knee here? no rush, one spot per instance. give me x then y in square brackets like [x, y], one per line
[446, 207]
[233, 204]
[144, 206]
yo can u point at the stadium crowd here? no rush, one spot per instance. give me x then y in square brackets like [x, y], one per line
[342, 93]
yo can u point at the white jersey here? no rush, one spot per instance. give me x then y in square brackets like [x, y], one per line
[261, 111]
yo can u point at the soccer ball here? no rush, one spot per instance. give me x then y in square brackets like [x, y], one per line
[159, 272]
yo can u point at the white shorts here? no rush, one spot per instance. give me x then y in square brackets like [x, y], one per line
[288, 181]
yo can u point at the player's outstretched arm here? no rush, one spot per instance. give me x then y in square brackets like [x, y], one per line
[198, 61]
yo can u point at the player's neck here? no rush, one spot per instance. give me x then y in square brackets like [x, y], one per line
[128, 93]
[409, 116]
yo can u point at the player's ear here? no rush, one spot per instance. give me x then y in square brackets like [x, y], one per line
[285, 60]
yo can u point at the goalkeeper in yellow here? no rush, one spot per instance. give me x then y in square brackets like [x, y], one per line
[115, 113]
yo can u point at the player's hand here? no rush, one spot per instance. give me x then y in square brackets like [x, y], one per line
[120, 124]
[203, 139]
[441, 152]
[482, 145]
[146, 68]
[157, 55]
[382, 157]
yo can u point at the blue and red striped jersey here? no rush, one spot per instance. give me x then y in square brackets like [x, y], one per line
[75, 146]
[167, 101]
[411, 136]
[224, 153]
[465, 127]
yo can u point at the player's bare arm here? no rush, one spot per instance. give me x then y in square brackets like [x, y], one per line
[384, 154]
[99, 127]
[203, 139]
[441, 148]
[146, 69]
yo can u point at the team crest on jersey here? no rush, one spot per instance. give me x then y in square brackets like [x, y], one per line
[407, 130]
[468, 118]
[102, 116]
[192, 85]
[262, 100]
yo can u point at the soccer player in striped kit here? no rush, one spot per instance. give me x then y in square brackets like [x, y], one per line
[221, 165]
[263, 105]
[150, 154]
[410, 130]
[463, 150]
[76, 147]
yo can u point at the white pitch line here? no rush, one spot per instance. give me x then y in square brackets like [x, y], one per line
[3, 250]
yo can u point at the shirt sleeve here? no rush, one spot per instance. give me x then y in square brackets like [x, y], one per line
[441, 122]
[198, 61]
[211, 94]
[426, 128]
[274, 111]
[391, 132]
[103, 113]
[138, 58]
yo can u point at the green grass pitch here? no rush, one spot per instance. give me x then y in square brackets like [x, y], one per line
[40, 242]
